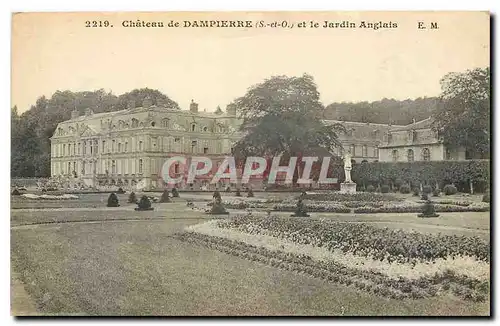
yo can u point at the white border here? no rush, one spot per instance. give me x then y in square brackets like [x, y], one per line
[183, 5]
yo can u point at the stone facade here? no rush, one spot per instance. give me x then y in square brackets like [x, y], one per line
[416, 142]
[128, 148]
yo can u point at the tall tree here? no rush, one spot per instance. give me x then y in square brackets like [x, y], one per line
[283, 117]
[138, 95]
[463, 119]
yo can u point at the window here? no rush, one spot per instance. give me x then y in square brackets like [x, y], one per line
[104, 146]
[135, 123]
[411, 156]
[140, 166]
[113, 146]
[64, 150]
[113, 166]
[84, 147]
[96, 146]
[193, 127]
[414, 135]
[365, 151]
[193, 145]
[79, 145]
[165, 123]
[375, 151]
[153, 124]
[176, 168]
[177, 139]
[352, 149]
[140, 145]
[119, 147]
[205, 150]
[91, 147]
[395, 155]
[389, 137]
[448, 154]
[426, 154]
[126, 146]
[69, 167]
[205, 129]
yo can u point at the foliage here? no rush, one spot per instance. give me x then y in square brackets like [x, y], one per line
[175, 193]
[464, 117]
[132, 198]
[313, 207]
[426, 189]
[422, 172]
[113, 200]
[486, 198]
[165, 198]
[384, 111]
[362, 196]
[436, 192]
[250, 193]
[137, 96]
[449, 190]
[370, 188]
[144, 203]
[384, 189]
[405, 189]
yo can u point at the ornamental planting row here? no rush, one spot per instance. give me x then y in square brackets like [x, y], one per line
[361, 239]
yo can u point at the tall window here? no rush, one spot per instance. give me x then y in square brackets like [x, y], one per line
[113, 146]
[205, 150]
[140, 165]
[79, 145]
[126, 146]
[395, 155]
[113, 166]
[104, 146]
[411, 156]
[375, 152]
[140, 145]
[119, 147]
[64, 150]
[176, 168]
[365, 151]
[426, 154]
[165, 123]
[84, 147]
[389, 137]
[96, 147]
[414, 135]
[69, 167]
[353, 150]
[193, 127]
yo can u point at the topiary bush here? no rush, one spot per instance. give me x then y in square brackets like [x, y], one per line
[120, 191]
[426, 189]
[113, 200]
[449, 190]
[144, 204]
[405, 189]
[385, 189]
[165, 198]
[175, 193]
[370, 188]
[132, 198]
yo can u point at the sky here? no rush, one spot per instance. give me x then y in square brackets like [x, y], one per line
[213, 66]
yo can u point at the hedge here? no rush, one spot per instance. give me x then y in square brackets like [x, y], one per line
[427, 173]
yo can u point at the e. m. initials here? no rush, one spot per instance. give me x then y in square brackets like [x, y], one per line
[432, 25]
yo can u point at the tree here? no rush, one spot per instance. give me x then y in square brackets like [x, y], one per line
[283, 117]
[463, 118]
[138, 95]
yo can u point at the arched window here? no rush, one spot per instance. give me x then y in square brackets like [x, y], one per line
[411, 156]
[395, 155]
[205, 129]
[135, 123]
[426, 154]
[193, 127]
[165, 123]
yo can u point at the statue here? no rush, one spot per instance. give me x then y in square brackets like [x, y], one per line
[347, 168]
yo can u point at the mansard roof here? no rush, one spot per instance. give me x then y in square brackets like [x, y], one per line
[422, 124]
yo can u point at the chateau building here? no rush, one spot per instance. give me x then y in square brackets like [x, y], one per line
[128, 148]
[416, 142]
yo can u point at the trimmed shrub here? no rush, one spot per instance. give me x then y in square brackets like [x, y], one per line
[175, 193]
[426, 189]
[384, 189]
[132, 198]
[405, 189]
[250, 193]
[113, 200]
[486, 198]
[449, 190]
[120, 191]
[416, 192]
[144, 204]
[370, 188]
[165, 198]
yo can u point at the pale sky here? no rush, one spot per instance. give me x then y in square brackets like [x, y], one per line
[55, 51]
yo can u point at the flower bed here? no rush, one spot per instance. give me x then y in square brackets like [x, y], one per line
[49, 197]
[357, 197]
[304, 247]
[313, 207]
[409, 207]
[238, 204]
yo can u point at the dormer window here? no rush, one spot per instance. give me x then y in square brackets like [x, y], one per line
[205, 129]
[193, 127]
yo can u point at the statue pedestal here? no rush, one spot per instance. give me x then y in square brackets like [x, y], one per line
[348, 188]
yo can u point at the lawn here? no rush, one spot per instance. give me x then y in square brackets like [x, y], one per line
[95, 260]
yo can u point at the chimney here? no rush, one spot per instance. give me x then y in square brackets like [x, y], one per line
[130, 104]
[193, 107]
[88, 112]
[74, 113]
[231, 109]
[147, 102]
